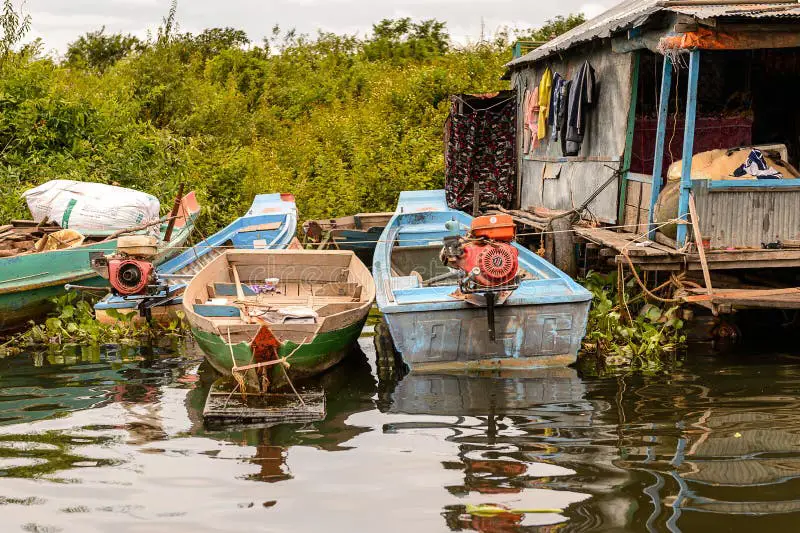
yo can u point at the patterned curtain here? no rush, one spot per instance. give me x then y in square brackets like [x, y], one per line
[480, 146]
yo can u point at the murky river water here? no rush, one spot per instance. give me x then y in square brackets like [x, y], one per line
[114, 442]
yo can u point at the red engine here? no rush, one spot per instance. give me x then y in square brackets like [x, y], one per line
[489, 264]
[486, 255]
[130, 276]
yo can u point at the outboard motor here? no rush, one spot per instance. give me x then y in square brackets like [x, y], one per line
[130, 269]
[488, 259]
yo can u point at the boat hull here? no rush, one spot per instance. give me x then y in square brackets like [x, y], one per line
[312, 358]
[527, 336]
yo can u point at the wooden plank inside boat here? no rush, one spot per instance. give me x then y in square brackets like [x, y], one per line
[224, 406]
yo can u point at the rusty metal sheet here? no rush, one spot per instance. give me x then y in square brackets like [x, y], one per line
[747, 218]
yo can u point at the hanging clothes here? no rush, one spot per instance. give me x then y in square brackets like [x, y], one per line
[545, 93]
[581, 98]
[531, 119]
[555, 98]
[563, 114]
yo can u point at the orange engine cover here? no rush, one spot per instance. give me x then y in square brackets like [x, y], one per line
[495, 227]
[497, 262]
[130, 276]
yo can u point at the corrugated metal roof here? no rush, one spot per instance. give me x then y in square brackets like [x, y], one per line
[634, 13]
[619, 17]
[776, 10]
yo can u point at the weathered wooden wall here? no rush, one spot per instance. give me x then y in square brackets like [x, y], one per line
[546, 178]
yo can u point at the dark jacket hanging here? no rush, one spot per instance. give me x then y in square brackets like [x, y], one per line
[563, 114]
[581, 98]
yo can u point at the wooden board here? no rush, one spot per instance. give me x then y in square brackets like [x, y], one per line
[624, 241]
[262, 227]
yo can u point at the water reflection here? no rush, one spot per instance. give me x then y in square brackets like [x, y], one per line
[348, 387]
[114, 439]
[502, 448]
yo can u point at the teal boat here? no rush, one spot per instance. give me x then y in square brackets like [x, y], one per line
[270, 316]
[30, 280]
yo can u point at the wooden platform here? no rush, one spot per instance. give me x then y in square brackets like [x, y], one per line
[224, 408]
[655, 256]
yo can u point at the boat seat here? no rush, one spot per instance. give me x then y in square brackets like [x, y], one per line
[405, 282]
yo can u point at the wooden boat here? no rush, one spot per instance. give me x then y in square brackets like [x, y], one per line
[249, 309]
[30, 279]
[358, 233]
[269, 224]
[538, 320]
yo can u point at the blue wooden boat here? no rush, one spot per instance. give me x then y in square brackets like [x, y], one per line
[539, 320]
[270, 224]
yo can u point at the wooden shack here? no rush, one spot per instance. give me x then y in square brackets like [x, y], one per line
[715, 79]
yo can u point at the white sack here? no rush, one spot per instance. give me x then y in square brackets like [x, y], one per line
[88, 207]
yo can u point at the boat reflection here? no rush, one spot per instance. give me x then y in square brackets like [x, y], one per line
[349, 388]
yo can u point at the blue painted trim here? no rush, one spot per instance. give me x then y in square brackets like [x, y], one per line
[726, 185]
[688, 143]
[425, 224]
[229, 289]
[661, 133]
[216, 311]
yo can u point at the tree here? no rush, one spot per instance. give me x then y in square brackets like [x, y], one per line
[215, 40]
[404, 39]
[99, 51]
[14, 26]
[553, 28]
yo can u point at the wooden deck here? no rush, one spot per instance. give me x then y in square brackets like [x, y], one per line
[655, 256]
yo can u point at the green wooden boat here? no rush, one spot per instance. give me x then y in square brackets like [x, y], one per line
[28, 281]
[270, 316]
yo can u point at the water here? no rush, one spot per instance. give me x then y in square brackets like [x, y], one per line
[114, 441]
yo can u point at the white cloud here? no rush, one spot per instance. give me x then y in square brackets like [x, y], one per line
[592, 10]
[59, 22]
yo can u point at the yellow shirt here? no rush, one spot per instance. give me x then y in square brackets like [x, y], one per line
[545, 91]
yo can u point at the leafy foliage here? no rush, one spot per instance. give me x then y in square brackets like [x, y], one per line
[553, 28]
[342, 122]
[642, 342]
[14, 25]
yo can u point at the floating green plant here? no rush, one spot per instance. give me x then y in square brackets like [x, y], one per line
[73, 322]
[624, 330]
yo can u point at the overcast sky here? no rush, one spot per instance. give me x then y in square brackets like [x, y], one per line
[59, 22]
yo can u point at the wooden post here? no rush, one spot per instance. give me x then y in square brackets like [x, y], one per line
[476, 199]
[688, 144]
[173, 216]
[661, 132]
[701, 251]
